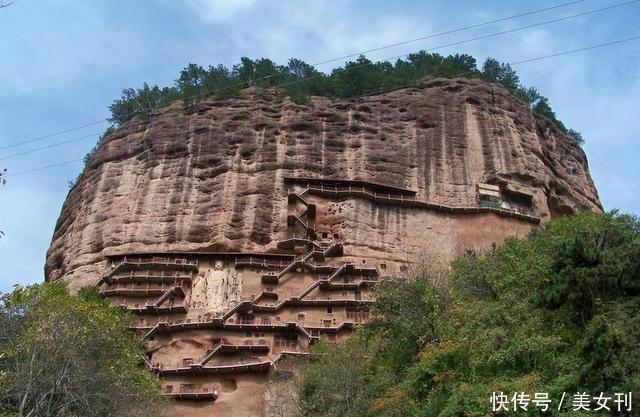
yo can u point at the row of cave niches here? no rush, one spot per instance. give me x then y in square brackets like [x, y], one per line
[277, 320]
[256, 332]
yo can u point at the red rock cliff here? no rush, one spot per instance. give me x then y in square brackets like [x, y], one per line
[213, 180]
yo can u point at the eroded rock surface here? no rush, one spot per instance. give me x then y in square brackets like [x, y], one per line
[212, 180]
[241, 233]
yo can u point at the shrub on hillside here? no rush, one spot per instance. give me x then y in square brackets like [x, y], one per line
[555, 313]
[66, 355]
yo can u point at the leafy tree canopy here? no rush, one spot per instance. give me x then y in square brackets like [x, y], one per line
[557, 312]
[300, 81]
[65, 355]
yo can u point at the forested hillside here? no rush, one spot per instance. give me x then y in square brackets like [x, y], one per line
[556, 313]
[71, 355]
[299, 81]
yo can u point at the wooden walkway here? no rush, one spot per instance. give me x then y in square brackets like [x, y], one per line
[412, 202]
[329, 182]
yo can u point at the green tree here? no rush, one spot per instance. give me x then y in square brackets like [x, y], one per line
[301, 81]
[556, 313]
[142, 102]
[220, 81]
[65, 355]
[268, 74]
[195, 82]
[245, 71]
[192, 79]
[577, 136]
[596, 263]
[542, 107]
[298, 69]
[333, 384]
[398, 338]
[358, 77]
[496, 72]
[530, 95]
[459, 65]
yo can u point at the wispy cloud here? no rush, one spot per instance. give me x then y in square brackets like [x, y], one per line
[220, 10]
[62, 67]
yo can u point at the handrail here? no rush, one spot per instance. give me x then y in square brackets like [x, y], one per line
[218, 369]
[147, 275]
[219, 324]
[167, 262]
[350, 182]
[414, 202]
[297, 300]
[192, 395]
[221, 347]
[164, 296]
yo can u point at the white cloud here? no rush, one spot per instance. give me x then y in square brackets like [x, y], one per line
[60, 68]
[290, 31]
[220, 10]
[536, 42]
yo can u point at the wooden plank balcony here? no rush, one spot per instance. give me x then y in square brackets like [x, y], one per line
[166, 327]
[411, 201]
[193, 395]
[251, 304]
[286, 353]
[230, 349]
[138, 276]
[316, 252]
[159, 306]
[348, 183]
[270, 277]
[347, 325]
[154, 262]
[330, 302]
[258, 262]
[133, 292]
[140, 291]
[363, 283]
[148, 309]
[262, 366]
[335, 249]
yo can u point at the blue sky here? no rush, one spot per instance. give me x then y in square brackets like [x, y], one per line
[63, 62]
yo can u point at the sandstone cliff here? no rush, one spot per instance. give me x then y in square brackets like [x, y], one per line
[212, 180]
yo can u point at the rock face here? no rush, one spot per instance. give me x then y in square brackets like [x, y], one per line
[253, 213]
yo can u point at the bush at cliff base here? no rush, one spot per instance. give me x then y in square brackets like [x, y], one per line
[65, 355]
[556, 313]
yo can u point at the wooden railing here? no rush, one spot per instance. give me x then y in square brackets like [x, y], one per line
[155, 262]
[411, 201]
[193, 394]
[148, 276]
[257, 366]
